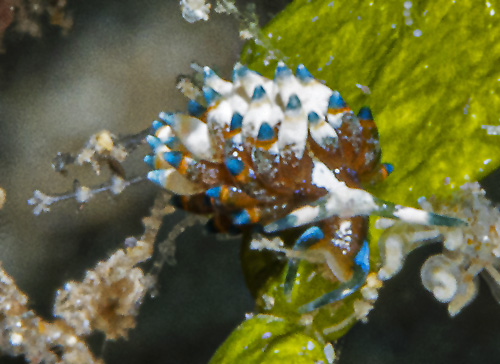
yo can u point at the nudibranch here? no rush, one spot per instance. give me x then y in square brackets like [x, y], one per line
[272, 155]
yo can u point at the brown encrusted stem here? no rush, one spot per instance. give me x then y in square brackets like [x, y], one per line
[109, 297]
[24, 333]
[108, 300]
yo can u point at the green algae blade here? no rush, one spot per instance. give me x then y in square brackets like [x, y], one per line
[429, 72]
[269, 339]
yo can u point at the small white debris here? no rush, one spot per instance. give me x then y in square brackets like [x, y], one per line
[245, 34]
[364, 89]
[195, 10]
[329, 353]
[118, 184]
[266, 335]
[310, 345]
[83, 194]
[16, 339]
[226, 6]
[71, 340]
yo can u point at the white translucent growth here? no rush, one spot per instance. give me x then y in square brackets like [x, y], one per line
[392, 256]
[369, 294]
[440, 276]
[98, 146]
[195, 10]
[397, 242]
[118, 184]
[329, 353]
[468, 251]
[83, 194]
[41, 202]
[226, 6]
[362, 309]
[245, 34]
[372, 285]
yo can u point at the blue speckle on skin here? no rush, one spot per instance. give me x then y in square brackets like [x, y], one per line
[208, 72]
[312, 117]
[282, 71]
[389, 168]
[173, 158]
[150, 160]
[210, 95]
[236, 121]
[361, 258]
[336, 101]
[314, 19]
[213, 192]
[365, 113]
[293, 103]
[241, 218]
[266, 133]
[258, 93]
[239, 71]
[303, 74]
[195, 109]
[157, 125]
[235, 166]
[309, 237]
[153, 142]
[157, 176]
[172, 142]
[167, 117]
